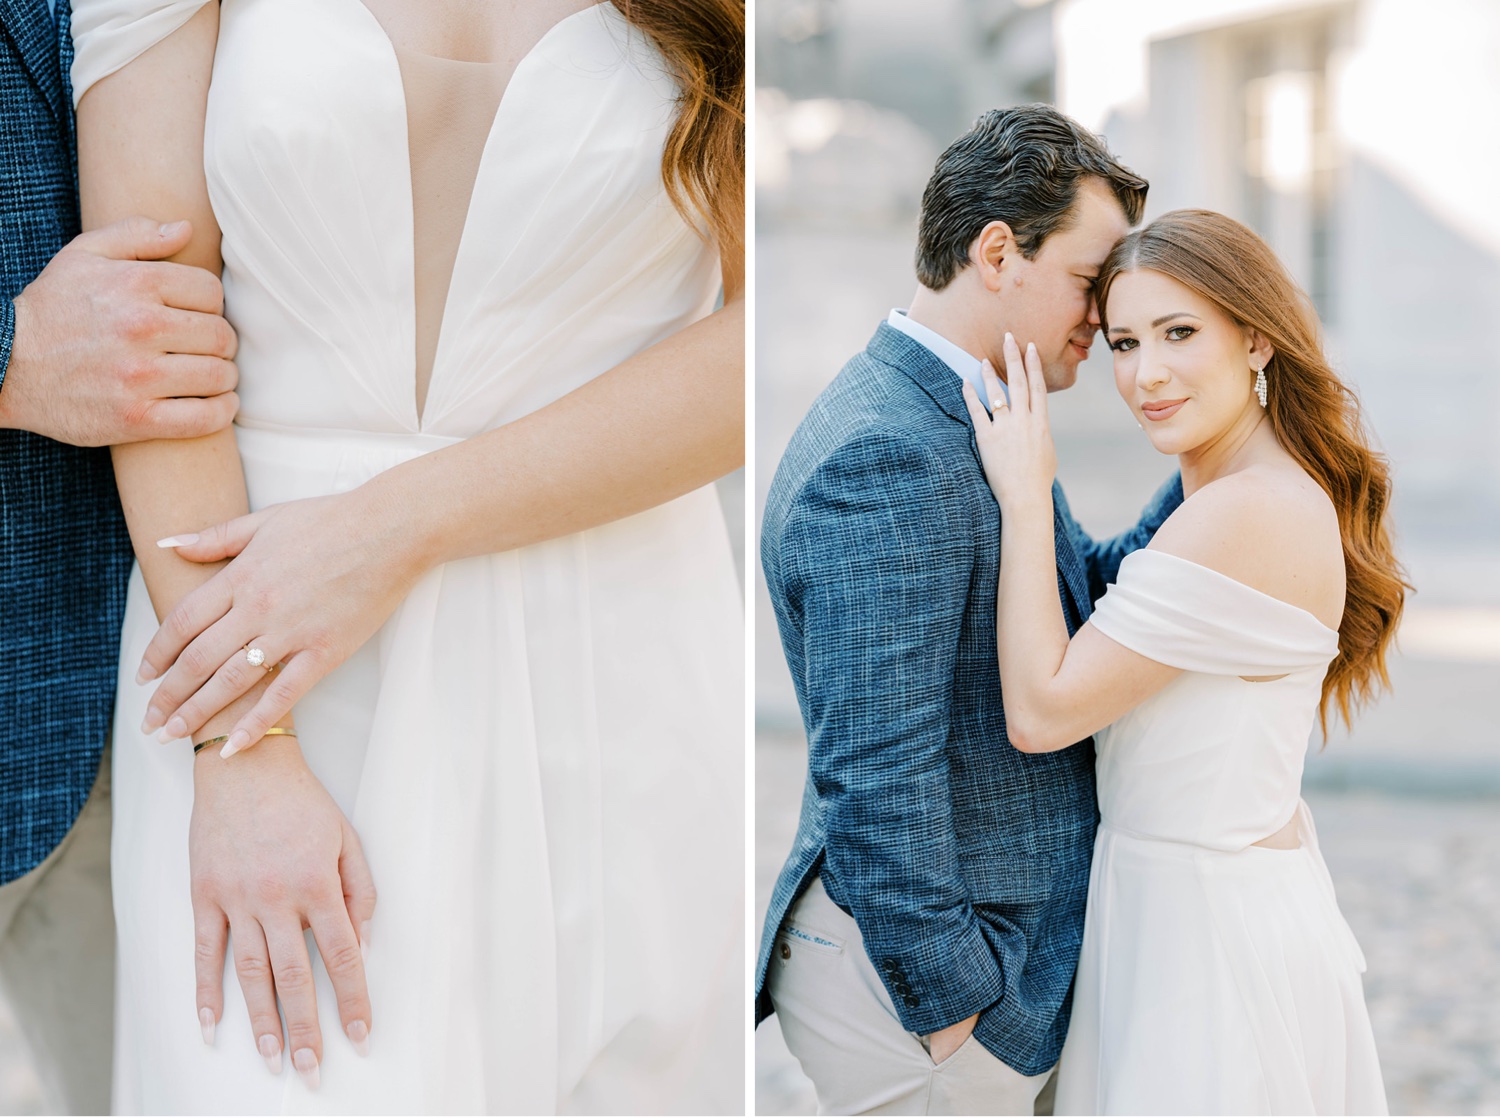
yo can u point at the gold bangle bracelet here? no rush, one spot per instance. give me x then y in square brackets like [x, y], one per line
[272, 732]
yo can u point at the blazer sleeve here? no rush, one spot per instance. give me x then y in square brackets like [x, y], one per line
[878, 555]
[1101, 558]
[7, 336]
[108, 35]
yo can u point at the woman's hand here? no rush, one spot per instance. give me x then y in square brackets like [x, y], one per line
[314, 579]
[272, 854]
[1015, 443]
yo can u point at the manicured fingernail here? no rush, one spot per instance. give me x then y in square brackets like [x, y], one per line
[237, 741]
[178, 541]
[270, 1050]
[152, 722]
[174, 729]
[359, 1036]
[206, 1022]
[307, 1067]
[171, 228]
[145, 673]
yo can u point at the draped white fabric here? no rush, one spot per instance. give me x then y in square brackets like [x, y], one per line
[1216, 976]
[542, 750]
[114, 33]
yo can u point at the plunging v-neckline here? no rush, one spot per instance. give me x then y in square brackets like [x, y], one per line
[393, 54]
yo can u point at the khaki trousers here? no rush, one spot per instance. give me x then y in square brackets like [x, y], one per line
[57, 960]
[839, 1022]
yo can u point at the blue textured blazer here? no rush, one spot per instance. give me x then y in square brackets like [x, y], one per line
[964, 861]
[64, 554]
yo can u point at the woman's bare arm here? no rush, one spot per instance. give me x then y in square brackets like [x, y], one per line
[134, 157]
[140, 140]
[323, 575]
[1056, 692]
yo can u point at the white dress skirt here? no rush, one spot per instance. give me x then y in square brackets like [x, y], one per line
[542, 750]
[1216, 976]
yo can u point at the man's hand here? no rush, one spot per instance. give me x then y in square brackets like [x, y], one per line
[314, 579]
[114, 344]
[272, 854]
[945, 1042]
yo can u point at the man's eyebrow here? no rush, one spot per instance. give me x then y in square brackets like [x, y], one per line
[1174, 314]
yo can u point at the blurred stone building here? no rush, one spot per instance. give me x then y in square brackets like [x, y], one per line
[1362, 139]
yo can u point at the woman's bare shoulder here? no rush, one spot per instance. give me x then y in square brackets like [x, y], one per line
[1269, 526]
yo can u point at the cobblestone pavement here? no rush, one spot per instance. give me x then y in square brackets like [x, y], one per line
[1418, 879]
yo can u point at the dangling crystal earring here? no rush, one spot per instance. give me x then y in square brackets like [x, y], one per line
[1260, 385]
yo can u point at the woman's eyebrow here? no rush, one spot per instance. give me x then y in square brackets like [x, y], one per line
[1174, 314]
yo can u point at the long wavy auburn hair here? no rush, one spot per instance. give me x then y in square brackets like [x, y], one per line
[1314, 415]
[703, 163]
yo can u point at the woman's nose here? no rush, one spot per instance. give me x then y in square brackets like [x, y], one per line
[1149, 373]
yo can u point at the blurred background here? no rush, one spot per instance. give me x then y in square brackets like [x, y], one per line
[1362, 139]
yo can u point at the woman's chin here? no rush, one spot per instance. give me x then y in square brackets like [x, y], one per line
[1167, 442]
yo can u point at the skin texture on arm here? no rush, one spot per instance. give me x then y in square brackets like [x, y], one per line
[270, 851]
[317, 578]
[147, 107]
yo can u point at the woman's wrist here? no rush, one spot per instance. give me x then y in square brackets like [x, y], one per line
[411, 528]
[1020, 509]
[225, 720]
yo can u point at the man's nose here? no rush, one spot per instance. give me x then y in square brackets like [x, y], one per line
[1093, 319]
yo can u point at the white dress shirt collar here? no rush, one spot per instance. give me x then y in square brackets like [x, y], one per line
[965, 364]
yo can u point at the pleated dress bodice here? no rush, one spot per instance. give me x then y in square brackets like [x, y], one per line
[1213, 759]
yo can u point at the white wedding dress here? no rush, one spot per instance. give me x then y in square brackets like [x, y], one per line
[542, 750]
[1216, 976]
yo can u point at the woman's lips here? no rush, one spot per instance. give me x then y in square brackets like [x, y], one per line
[1158, 410]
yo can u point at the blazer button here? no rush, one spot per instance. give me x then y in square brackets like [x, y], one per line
[903, 989]
[786, 950]
[897, 975]
[889, 964]
[912, 1001]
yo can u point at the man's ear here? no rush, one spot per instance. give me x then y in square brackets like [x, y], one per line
[989, 251]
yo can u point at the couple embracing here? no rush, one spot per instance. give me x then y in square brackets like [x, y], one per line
[439, 643]
[1052, 851]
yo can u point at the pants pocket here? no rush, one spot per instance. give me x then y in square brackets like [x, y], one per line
[800, 937]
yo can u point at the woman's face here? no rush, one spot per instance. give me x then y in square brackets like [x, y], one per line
[1186, 370]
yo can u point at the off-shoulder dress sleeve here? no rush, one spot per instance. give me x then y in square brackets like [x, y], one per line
[110, 34]
[1189, 616]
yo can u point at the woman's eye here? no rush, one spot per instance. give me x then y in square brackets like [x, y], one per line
[1180, 333]
[1123, 345]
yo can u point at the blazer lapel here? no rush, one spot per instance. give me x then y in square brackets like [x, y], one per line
[938, 380]
[931, 372]
[1070, 570]
[30, 26]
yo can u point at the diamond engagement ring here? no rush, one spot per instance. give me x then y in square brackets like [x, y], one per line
[256, 658]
